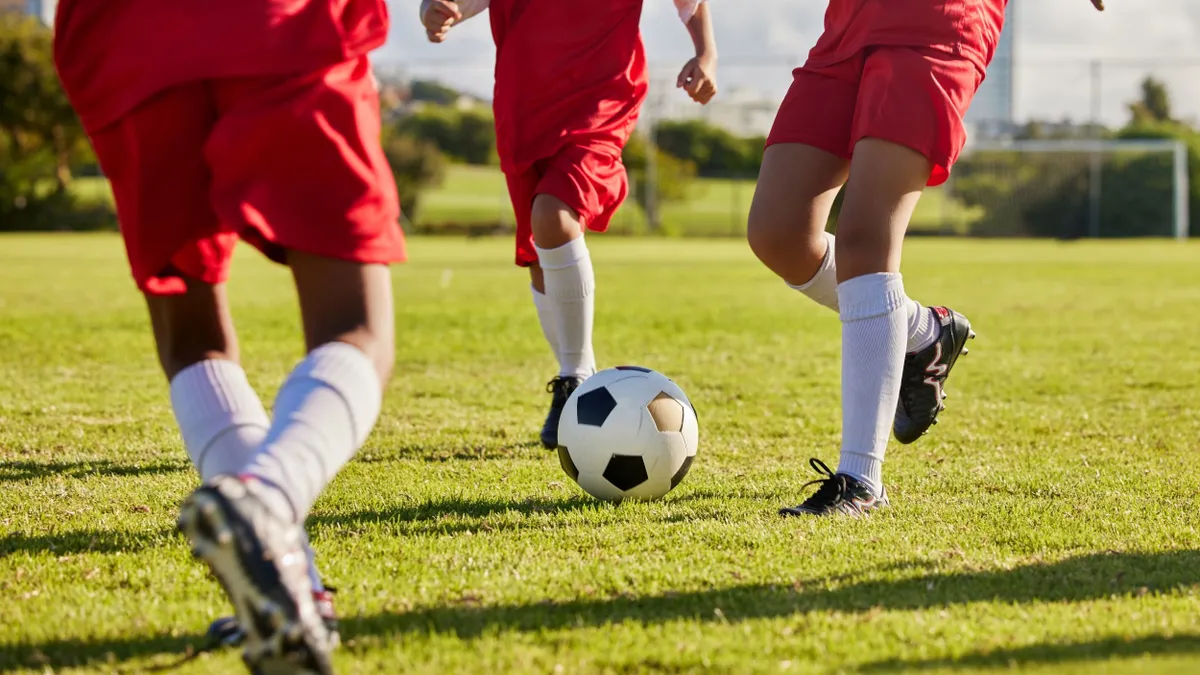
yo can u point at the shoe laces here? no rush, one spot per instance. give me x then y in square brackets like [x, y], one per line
[832, 487]
[559, 385]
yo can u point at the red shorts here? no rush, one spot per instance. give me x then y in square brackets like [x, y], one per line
[284, 162]
[592, 183]
[911, 96]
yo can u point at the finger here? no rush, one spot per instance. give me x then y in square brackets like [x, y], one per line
[685, 75]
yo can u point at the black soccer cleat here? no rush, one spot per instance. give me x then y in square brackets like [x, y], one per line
[922, 393]
[260, 561]
[836, 493]
[561, 388]
[227, 631]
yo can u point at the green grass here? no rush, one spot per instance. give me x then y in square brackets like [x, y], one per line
[1049, 523]
[478, 195]
[714, 207]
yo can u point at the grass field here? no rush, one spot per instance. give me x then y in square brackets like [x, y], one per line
[1049, 525]
[478, 195]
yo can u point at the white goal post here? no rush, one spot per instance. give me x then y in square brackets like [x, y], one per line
[1095, 153]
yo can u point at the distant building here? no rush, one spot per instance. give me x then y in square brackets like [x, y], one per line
[742, 112]
[993, 111]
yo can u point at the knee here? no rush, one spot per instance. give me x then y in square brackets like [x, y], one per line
[377, 344]
[553, 222]
[787, 246]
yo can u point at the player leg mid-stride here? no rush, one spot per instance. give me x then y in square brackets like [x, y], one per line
[275, 142]
[570, 81]
[876, 111]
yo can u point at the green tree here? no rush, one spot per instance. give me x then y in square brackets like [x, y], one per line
[672, 176]
[714, 151]
[467, 136]
[41, 138]
[433, 92]
[1154, 106]
[416, 164]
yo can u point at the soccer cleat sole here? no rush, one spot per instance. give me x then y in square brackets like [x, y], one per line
[275, 640]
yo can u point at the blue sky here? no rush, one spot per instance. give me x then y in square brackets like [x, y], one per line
[760, 41]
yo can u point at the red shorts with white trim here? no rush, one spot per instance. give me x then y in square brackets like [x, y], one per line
[914, 97]
[592, 183]
[285, 162]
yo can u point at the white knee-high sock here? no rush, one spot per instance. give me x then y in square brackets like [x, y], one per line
[822, 287]
[923, 327]
[874, 323]
[548, 319]
[323, 413]
[220, 416]
[223, 423]
[571, 287]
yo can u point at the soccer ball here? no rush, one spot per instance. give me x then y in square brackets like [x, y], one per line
[628, 433]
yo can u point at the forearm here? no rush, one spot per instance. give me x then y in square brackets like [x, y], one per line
[700, 27]
[470, 8]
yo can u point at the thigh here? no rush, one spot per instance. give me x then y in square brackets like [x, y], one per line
[154, 159]
[796, 188]
[297, 165]
[917, 98]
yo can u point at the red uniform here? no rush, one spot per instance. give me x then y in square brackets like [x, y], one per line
[900, 70]
[570, 80]
[220, 119]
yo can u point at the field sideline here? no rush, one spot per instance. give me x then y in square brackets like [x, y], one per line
[477, 195]
[1049, 523]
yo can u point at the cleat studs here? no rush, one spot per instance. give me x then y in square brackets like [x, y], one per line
[971, 335]
[965, 351]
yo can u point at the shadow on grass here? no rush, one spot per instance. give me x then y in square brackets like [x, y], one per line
[444, 516]
[53, 655]
[1031, 655]
[85, 541]
[1072, 580]
[20, 471]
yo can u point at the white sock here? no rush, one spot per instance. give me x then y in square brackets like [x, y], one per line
[220, 416]
[223, 423]
[923, 327]
[323, 413]
[822, 287]
[571, 287]
[874, 322]
[547, 319]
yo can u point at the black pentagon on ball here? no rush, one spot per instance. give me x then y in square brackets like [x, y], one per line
[626, 472]
[595, 406]
[683, 469]
[568, 465]
[637, 368]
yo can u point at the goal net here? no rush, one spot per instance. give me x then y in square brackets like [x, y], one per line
[1069, 189]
